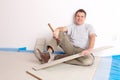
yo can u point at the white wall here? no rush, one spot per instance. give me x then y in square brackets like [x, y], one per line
[23, 21]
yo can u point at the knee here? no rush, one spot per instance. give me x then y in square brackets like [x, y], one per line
[61, 34]
[88, 62]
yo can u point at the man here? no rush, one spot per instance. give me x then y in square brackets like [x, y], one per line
[78, 37]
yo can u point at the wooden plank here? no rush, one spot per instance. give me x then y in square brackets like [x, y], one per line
[52, 63]
[38, 78]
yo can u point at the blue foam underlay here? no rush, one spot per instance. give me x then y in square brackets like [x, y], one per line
[115, 68]
[21, 49]
[24, 49]
[110, 70]
[59, 52]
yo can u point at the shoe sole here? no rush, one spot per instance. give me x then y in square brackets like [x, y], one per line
[41, 55]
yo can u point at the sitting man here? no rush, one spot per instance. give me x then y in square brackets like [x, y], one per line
[79, 37]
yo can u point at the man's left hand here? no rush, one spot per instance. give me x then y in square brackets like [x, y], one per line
[86, 52]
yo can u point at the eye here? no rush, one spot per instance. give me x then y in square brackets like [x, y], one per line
[77, 16]
[82, 16]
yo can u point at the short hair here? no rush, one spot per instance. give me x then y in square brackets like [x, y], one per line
[80, 10]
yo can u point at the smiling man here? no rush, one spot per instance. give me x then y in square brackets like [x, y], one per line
[79, 37]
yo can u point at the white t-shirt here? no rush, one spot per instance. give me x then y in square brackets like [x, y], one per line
[79, 34]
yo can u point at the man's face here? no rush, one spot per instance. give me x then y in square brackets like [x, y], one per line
[80, 18]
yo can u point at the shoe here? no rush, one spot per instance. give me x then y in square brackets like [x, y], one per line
[45, 56]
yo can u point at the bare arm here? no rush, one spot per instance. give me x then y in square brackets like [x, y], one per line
[57, 30]
[91, 41]
[90, 46]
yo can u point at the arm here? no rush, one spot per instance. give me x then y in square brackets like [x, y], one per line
[57, 30]
[90, 46]
[91, 41]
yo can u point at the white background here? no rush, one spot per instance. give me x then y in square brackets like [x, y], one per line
[23, 21]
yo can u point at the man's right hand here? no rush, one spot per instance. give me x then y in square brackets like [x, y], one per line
[56, 34]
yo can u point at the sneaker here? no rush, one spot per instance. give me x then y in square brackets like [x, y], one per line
[45, 56]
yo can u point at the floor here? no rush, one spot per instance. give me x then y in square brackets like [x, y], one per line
[13, 66]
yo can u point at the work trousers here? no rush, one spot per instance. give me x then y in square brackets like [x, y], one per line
[69, 49]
